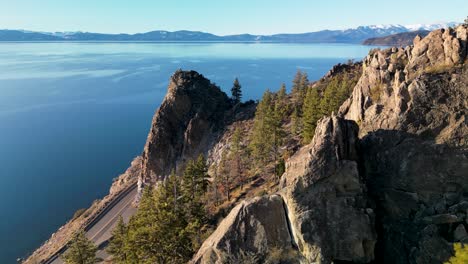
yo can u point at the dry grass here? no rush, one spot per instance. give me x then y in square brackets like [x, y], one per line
[439, 68]
[376, 91]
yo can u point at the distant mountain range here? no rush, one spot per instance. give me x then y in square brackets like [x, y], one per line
[399, 39]
[353, 35]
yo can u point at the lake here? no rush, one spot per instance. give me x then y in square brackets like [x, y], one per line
[74, 115]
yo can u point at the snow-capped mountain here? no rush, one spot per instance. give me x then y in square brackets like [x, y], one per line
[430, 27]
[352, 35]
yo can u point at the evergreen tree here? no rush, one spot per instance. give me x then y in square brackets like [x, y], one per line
[281, 102]
[296, 84]
[296, 122]
[236, 156]
[300, 84]
[194, 186]
[144, 231]
[236, 91]
[223, 173]
[81, 250]
[118, 243]
[311, 114]
[262, 136]
[268, 134]
[329, 100]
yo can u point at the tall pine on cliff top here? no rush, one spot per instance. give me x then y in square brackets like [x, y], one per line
[311, 114]
[236, 91]
[81, 250]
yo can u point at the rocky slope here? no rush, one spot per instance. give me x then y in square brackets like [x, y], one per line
[411, 105]
[321, 211]
[394, 192]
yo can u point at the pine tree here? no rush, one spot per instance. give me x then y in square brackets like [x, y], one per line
[281, 102]
[223, 173]
[300, 84]
[194, 186]
[296, 122]
[118, 243]
[81, 250]
[277, 132]
[236, 156]
[262, 136]
[268, 134]
[296, 84]
[236, 91]
[311, 114]
[173, 221]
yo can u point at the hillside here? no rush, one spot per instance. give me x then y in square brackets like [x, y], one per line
[352, 35]
[397, 40]
[367, 164]
[383, 181]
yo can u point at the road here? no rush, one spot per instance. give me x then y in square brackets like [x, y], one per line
[100, 231]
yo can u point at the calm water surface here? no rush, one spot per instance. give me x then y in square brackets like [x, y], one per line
[73, 115]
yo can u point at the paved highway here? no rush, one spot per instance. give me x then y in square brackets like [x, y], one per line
[100, 231]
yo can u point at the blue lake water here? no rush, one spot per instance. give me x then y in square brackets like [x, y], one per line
[73, 115]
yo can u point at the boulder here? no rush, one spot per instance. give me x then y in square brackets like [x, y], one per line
[257, 225]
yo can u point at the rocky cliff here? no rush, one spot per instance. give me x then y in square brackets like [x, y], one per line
[386, 180]
[411, 105]
[184, 126]
[321, 211]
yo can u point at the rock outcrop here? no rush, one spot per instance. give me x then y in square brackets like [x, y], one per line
[324, 217]
[255, 225]
[184, 126]
[411, 105]
[327, 206]
[394, 192]
[398, 84]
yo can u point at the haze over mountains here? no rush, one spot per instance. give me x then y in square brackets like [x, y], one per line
[353, 35]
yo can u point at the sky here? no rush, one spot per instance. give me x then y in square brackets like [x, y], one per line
[221, 17]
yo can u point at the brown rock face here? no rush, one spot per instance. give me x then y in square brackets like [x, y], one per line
[325, 197]
[396, 79]
[411, 106]
[256, 225]
[394, 192]
[183, 127]
[324, 216]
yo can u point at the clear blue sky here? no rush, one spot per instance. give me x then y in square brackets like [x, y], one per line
[221, 16]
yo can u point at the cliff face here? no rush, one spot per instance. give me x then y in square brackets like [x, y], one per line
[394, 192]
[184, 125]
[321, 212]
[411, 106]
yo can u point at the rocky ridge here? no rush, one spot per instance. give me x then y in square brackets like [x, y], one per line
[190, 117]
[394, 192]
